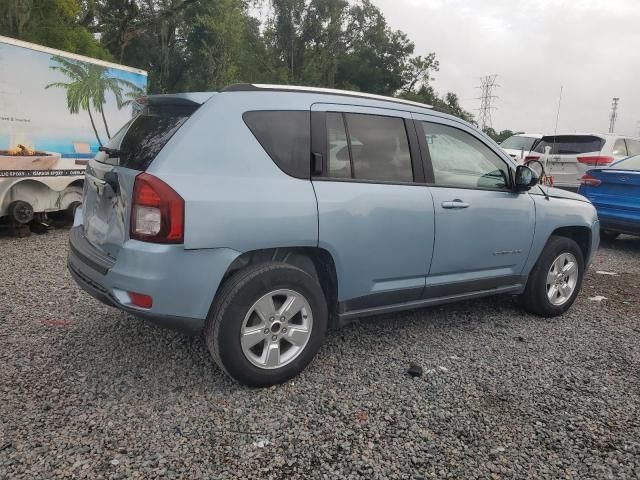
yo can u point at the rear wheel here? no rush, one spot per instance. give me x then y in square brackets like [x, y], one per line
[267, 323]
[555, 281]
[608, 235]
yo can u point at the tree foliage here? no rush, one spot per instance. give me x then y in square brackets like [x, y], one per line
[499, 136]
[190, 45]
[53, 23]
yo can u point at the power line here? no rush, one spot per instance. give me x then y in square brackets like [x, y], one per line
[487, 85]
[613, 116]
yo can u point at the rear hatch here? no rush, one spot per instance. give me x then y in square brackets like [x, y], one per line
[110, 176]
[570, 157]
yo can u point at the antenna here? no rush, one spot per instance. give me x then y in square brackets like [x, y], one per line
[555, 130]
[487, 84]
[613, 116]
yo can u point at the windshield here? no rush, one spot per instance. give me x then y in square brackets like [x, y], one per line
[570, 144]
[518, 142]
[631, 163]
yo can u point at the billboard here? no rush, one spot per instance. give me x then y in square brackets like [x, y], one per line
[56, 108]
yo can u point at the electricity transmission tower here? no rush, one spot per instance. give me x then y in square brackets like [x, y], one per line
[487, 85]
[613, 116]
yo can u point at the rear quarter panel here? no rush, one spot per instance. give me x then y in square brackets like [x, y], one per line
[235, 195]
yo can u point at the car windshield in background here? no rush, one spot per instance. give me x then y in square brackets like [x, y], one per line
[140, 140]
[631, 163]
[517, 142]
[570, 144]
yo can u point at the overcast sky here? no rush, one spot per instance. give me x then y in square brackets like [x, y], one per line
[590, 47]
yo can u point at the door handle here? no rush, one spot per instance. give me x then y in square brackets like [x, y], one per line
[457, 203]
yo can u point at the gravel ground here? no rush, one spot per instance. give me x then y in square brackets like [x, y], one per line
[89, 392]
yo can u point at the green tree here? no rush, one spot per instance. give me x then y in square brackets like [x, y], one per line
[53, 23]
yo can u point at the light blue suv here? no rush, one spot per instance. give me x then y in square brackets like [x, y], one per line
[264, 215]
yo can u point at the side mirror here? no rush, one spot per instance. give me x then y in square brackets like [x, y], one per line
[525, 178]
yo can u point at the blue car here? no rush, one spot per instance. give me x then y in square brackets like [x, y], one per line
[263, 215]
[615, 192]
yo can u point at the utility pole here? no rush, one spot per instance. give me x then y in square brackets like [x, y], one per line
[638, 128]
[614, 114]
[487, 85]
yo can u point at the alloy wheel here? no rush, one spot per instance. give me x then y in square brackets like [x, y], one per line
[276, 329]
[562, 279]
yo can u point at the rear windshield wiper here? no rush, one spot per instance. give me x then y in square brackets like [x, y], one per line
[112, 152]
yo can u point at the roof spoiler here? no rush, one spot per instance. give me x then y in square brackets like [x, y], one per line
[185, 99]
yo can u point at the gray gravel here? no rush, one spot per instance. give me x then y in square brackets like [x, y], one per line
[89, 392]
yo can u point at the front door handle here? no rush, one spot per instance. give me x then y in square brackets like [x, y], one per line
[457, 203]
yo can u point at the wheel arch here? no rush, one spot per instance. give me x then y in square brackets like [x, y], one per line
[16, 191]
[580, 234]
[316, 261]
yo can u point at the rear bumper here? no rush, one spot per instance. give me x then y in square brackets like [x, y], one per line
[189, 326]
[181, 282]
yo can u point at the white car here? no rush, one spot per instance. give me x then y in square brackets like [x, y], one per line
[519, 145]
[571, 155]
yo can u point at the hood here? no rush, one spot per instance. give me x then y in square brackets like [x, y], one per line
[558, 193]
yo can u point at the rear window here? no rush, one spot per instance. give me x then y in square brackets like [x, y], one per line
[142, 138]
[569, 144]
[631, 163]
[286, 137]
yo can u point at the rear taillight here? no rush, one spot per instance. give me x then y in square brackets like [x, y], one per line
[530, 158]
[587, 179]
[596, 160]
[157, 211]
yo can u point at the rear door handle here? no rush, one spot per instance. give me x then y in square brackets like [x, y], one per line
[457, 203]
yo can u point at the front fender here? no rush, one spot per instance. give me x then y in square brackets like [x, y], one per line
[556, 213]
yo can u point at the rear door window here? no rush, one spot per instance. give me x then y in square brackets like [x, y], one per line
[379, 148]
[619, 148]
[286, 137]
[338, 147]
[142, 138]
[569, 144]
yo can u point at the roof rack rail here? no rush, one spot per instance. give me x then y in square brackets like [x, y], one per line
[258, 87]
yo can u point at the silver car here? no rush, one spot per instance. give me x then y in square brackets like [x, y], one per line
[571, 155]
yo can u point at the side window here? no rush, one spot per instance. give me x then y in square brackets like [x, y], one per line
[461, 160]
[633, 146]
[286, 137]
[379, 148]
[619, 148]
[337, 147]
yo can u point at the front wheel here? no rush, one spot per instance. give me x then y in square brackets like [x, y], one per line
[267, 323]
[555, 281]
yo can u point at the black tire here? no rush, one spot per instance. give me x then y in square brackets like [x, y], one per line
[608, 235]
[20, 212]
[238, 294]
[534, 299]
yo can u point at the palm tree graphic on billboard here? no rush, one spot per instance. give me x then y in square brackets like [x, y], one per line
[88, 87]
